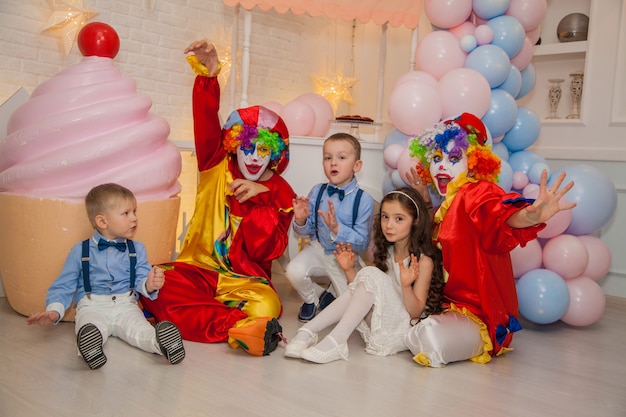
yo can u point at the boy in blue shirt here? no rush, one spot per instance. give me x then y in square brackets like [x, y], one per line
[104, 273]
[336, 212]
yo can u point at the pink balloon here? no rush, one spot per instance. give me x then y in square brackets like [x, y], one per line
[483, 34]
[498, 139]
[391, 154]
[299, 118]
[520, 180]
[465, 28]
[534, 34]
[527, 258]
[464, 90]
[323, 110]
[405, 162]
[566, 255]
[530, 13]
[273, 106]
[415, 76]
[558, 223]
[438, 53]
[524, 56]
[531, 191]
[414, 107]
[587, 302]
[447, 13]
[599, 257]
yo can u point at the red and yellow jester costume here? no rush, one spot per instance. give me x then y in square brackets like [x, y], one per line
[473, 233]
[222, 278]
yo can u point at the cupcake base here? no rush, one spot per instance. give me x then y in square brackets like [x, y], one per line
[39, 233]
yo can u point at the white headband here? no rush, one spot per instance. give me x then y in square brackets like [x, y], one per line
[407, 196]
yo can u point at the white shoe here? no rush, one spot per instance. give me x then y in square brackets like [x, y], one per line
[313, 354]
[294, 348]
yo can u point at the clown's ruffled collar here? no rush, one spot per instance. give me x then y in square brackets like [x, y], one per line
[452, 189]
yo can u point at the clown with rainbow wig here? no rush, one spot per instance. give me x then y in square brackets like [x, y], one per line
[219, 288]
[476, 226]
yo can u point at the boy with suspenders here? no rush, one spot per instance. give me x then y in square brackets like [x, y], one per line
[104, 273]
[334, 212]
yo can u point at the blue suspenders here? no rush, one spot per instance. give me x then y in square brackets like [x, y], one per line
[355, 207]
[85, 261]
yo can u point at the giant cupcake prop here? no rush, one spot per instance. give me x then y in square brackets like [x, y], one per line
[86, 126]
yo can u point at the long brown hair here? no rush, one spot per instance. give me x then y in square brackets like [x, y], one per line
[420, 242]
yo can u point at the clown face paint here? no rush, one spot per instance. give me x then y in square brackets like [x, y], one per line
[446, 167]
[253, 161]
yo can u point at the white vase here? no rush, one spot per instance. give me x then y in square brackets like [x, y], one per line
[576, 89]
[554, 96]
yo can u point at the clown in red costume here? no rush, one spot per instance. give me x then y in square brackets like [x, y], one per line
[219, 289]
[476, 226]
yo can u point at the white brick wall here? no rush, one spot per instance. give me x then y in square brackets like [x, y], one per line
[285, 51]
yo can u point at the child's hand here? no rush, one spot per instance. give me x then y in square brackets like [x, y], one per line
[345, 256]
[330, 218]
[156, 279]
[243, 189]
[46, 318]
[410, 274]
[301, 210]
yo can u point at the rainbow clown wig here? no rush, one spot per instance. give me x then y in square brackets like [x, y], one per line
[469, 135]
[258, 125]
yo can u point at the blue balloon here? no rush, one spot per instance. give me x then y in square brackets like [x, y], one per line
[529, 76]
[513, 83]
[543, 296]
[488, 9]
[501, 150]
[387, 183]
[468, 43]
[395, 137]
[502, 112]
[524, 132]
[505, 179]
[508, 34]
[397, 180]
[491, 61]
[522, 160]
[534, 173]
[595, 197]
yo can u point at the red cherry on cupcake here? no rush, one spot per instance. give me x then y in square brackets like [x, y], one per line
[98, 39]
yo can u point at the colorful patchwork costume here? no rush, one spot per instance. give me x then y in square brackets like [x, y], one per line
[220, 286]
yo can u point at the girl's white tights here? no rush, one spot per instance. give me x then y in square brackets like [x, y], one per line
[347, 311]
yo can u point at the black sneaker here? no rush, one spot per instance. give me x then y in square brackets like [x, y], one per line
[170, 341]
[89, 340]
[325, 299]
[307, 312]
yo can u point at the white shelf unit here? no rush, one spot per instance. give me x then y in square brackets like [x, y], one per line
[554, 59]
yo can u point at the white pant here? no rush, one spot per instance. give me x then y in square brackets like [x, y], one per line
[309, 267]
[444, 338]
[118, 315]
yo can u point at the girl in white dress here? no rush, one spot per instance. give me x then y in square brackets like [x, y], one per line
[383, 300]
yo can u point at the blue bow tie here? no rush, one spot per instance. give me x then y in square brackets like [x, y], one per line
[103, 244]
[334, 190]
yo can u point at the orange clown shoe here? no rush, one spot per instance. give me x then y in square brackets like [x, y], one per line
[259, 336]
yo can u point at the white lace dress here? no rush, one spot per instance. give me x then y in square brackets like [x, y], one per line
[390, 321]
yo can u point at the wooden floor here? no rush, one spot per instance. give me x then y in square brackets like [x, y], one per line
[555, 370]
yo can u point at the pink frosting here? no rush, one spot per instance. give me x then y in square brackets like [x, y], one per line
[86, 126]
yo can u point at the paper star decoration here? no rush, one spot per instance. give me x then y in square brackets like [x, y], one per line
[67, 19]
[335, 89]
